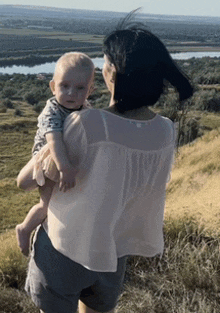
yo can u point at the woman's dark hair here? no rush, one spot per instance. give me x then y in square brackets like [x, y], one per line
[142, 64]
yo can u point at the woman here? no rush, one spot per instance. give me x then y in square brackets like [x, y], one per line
[123, 155]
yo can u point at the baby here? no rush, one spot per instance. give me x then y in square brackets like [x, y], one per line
[71, 85]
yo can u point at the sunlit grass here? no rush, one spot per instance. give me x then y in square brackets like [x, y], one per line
[12, 263]
[14, 204]
[185, 280]
[194, 189]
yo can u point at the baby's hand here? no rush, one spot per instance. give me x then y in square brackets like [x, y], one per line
[67, 178]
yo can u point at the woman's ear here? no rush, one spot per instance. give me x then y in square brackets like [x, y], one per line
[113, 76]
[52, 86]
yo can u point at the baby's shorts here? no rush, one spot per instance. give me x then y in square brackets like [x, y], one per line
[56, 283]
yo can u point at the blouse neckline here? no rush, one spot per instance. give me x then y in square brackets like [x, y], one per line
[131, 119]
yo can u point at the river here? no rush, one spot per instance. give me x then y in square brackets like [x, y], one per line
[49, 67]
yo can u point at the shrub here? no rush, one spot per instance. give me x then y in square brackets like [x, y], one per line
[38, 107]
[3, 109]
[18, 112]
[207, 100]
[99, 81]
[8, 104]
[189, 130]
[101, 102]
[8, 92]
[208, 78]
[31, 98]
[213, 105]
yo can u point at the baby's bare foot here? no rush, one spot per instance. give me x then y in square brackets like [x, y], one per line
[23, 239]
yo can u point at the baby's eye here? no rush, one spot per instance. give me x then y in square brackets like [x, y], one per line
[65, 86]
[80, 87]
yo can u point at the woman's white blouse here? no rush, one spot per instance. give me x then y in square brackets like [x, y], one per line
[117, 205]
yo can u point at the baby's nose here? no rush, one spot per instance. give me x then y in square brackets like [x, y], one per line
[71, 91]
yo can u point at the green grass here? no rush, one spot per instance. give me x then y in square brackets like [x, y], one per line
[185, 280]
[52, 34]
[29, 32]
[15, 205]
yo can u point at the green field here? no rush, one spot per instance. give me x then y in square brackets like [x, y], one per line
[187, 278]
[29, 46]
[34, 46]
[98, 39]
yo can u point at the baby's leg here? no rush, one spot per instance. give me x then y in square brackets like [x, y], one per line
[25, 177]
[35, 217]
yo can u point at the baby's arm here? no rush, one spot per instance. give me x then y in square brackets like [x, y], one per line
[60, 157]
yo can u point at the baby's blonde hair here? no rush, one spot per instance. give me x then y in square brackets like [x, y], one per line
[74, 59]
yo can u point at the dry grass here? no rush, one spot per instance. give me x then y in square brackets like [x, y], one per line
[195, 186]
[12, 264]
[210, 87]
[185, 280]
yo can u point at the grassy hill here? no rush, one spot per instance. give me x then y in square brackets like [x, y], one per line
[194, 190]
[186, 279]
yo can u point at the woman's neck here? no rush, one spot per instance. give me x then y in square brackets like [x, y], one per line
[143, 113]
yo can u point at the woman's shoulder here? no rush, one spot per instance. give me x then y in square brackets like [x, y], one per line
[84, 114]
[168, 126]
[79, 118]
[165, 120]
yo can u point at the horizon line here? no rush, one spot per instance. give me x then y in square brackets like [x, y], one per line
[140, 13]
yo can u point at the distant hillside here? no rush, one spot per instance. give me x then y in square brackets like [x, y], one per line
[51, 12]
[167, 27]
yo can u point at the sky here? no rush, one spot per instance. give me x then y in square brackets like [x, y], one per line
[170, 7]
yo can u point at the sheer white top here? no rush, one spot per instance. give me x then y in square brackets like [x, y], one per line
[117, 205]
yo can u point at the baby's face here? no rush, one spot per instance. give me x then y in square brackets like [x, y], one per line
[71, 86]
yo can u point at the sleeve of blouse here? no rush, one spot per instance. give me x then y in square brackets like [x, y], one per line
[74, 136]
[172, 152]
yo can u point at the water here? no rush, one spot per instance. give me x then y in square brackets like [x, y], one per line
[189, 55]
[49, 67]
[42, 68]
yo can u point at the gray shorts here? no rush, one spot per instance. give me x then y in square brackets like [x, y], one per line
[56, 283]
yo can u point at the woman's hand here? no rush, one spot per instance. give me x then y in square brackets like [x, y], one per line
[67, 178]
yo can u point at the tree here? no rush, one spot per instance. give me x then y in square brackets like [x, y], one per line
[8, 92]
[8, 104]
[31, 98]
